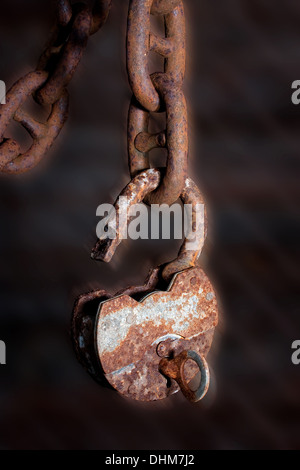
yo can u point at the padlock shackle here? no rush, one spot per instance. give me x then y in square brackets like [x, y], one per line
[136, 191]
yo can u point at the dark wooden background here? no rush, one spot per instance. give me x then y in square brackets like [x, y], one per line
[245, 141]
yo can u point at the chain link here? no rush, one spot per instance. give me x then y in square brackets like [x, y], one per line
[158, 92]
[154, 93]
[47, 85]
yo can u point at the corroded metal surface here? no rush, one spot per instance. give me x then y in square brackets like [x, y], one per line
[55, 69]
[138, 37]
[83, 321]
[68, 58]
[158, 92]
[84, 317]
[136, 191]
[174, 368]
[152, 340]
[162, 7]
[188, 257]
[11, 158]
[172, 183]
[129, 331]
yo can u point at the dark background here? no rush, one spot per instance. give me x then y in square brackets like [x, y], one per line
[243, 57]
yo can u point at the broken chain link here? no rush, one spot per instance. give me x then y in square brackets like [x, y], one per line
[48, 84]
[158, 92]
[139, 343]
[133, 363]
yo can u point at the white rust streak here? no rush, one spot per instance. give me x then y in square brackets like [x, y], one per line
[159, 309]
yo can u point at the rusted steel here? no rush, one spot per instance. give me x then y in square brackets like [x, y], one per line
[177, 142]
[83, 22]
[17, 95]
[158, 92]
[145, 142]
[175, 138]
[150, 284]
[43, 136]
[69, 58]
[140, 42]
[152, 340]
[128, 333]
[84, 317]
[12, 161]
[138, 34]
[173, 46]
[175, 33]
[55, 69]
[140, 142]
[135, 193]
[83, 320]
[100, 14]
[138, 122]
[64, 12]
[162, 7]
[188, 257]
[9, 150]
[174, 369]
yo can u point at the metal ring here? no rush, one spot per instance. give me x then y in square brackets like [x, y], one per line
[174, 369]
[173, 181]
[140, 41]
[11, 159]
[100, 14]
[202, 390]
[65, 12]
[138, 34]
[136, 191]
[69, 58]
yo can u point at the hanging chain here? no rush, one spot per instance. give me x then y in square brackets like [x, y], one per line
[169, 325]
[130, 334]
[158, 92]
[48, 84]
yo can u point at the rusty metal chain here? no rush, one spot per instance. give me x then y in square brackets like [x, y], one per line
[158, 92]
[140, 340]
[145, 337]
[48, 84]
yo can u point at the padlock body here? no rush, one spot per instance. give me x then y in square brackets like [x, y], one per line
[128, 333]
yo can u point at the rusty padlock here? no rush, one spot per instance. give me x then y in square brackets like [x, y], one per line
[149, 341]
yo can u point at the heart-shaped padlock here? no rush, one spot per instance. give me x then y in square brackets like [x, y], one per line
[149, 341]
[133, 336]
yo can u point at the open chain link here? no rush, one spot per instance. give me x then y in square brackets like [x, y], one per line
[159, 92]
[154, 93]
